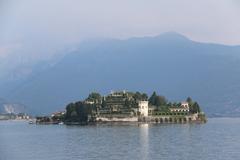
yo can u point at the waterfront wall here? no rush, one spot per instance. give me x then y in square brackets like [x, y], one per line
[170, 119]
[151, 119]
[116, 119]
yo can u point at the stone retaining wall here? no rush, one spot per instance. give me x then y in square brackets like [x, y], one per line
[151, 119]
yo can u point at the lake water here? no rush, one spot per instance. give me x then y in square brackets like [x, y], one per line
[218, 139]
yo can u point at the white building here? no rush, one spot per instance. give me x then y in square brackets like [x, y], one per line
[183, 108]
[143, 108]
[184, 104]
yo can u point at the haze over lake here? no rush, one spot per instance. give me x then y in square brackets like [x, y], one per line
[217, 139]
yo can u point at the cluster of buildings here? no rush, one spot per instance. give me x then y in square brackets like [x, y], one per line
[123, 104]
[55, 118]
[11, 116]
[121, 107]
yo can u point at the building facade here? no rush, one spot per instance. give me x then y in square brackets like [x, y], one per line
[143, 108]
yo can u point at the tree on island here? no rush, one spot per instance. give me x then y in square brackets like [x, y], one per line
[157, 100]
[71, 112]
[193, 106]
[140, 97]
[189, 100]
[137, 96]
[95, 97]
[104, 104]
[160, 101]
[79, 112]
[144, 97]
[152, 98]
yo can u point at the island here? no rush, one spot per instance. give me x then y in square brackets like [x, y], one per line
[123, 106]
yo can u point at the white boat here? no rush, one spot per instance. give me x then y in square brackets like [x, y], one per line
[32, 121]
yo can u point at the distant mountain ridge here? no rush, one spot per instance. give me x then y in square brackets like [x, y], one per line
[170, 64]
[8, 107]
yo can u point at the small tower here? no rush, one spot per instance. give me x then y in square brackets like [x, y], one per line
[143, 108]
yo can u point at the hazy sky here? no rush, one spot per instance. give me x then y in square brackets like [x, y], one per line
[40, 27]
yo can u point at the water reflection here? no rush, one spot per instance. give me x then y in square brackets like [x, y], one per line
[161, 141]
[144, 140]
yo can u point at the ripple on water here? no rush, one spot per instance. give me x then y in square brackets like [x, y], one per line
[218, 139]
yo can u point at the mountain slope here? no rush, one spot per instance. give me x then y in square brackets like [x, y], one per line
[171, 64]
[8, 107]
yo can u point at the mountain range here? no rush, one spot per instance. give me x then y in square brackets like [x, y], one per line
[170, 64]
[8, 107]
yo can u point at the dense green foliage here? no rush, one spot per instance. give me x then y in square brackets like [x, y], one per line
[58, 118]
[78, 112]
[157, 100]
[95, 97]
[193, 106]
[141, 97]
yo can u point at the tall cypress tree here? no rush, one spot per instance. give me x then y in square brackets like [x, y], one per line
[152, 99]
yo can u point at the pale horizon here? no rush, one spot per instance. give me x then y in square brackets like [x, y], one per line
[50, 26]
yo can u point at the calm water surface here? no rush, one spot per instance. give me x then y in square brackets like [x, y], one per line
[218, 139]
